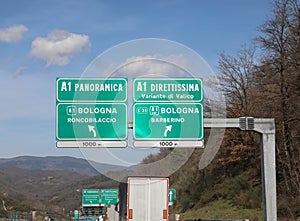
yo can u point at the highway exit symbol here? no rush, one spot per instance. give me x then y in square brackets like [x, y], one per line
[168, 129]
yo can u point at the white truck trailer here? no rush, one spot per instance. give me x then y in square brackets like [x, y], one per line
[144, 199]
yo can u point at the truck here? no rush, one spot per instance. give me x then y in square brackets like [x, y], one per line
[144, 199]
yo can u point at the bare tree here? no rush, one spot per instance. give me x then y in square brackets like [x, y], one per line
[236, 77]
[279, 72]
[271, 89]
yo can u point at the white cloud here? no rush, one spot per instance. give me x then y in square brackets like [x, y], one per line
[152, 65]
[58, 47]
[13, 34]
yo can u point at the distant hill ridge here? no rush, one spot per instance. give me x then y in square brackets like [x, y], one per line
[78, 165]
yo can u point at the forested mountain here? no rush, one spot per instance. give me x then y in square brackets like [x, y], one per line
[49, 191]
[78, 165]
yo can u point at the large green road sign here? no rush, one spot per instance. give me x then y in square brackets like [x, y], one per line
[90, 197]
[91, 121]
[91, 112]
[91, 89]
[168, 112]
[168, 121]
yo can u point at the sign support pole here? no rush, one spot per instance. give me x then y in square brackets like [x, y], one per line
[266, 128]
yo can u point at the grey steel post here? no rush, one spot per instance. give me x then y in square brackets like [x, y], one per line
[266, 128]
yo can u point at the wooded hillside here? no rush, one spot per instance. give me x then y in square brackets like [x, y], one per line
[261, 80]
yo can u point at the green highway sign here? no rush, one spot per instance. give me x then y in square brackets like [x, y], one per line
[91, 197]
[109, 196]
[91, 112]
[91, 121]
[172, 195]
[168, 121]
[91, 89]
[168, 112]
[169, 89]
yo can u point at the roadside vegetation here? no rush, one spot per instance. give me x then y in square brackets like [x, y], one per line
[261, 80]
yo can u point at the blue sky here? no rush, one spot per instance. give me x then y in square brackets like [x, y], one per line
[42, 40]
